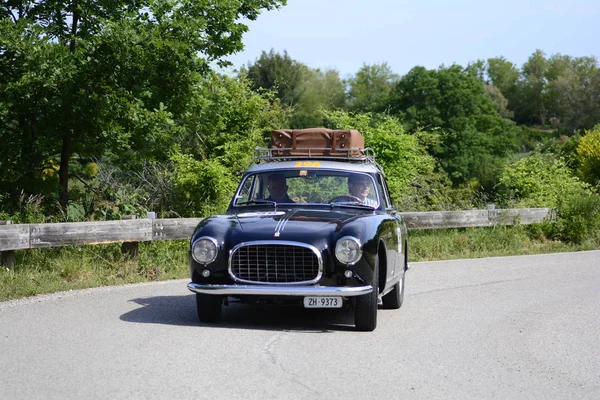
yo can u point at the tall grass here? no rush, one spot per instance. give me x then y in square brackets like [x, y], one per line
[446, 244]
[50, 270]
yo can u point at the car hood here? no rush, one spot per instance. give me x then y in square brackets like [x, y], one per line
[294, 224]
[290, 223]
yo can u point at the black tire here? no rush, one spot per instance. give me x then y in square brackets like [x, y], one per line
[394, 299]
[365, 306]
[209, 307]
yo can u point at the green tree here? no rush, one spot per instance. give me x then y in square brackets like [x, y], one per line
[306, 91]
[532, 107]
[491, 72]
[499, 100]
[474, 138]
[87, 77]
[504, 75]
[560, 90]
[225, 120]
[196, 173]
[323, 90]
[369, 89]
[574, 91]
[280, 73]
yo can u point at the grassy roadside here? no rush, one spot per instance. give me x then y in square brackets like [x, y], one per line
[51, 270]
[77, 267]
[448, 244]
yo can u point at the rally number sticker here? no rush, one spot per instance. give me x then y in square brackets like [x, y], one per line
[306, 164]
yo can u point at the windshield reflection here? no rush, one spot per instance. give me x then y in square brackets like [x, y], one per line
[307, 187]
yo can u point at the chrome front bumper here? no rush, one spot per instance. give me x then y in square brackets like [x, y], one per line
[315, 290]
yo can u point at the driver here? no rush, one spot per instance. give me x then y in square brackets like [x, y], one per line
[278, 189]
[358, 186]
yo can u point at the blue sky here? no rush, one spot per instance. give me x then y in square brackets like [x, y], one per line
[345, 34]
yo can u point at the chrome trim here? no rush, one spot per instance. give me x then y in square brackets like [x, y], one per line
[357, 241]
[284, 220]
[277, 242]
[274, 290]
[211, 239]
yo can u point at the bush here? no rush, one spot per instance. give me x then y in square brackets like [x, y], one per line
[578, 218]
[24, 209]
[538, 181]
[531, 138]
[202, 187]
[588, 151]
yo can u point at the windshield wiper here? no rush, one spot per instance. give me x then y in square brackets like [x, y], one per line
[261, 201]
[351, 204]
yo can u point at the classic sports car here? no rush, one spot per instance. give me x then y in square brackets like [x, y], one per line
[333, 240]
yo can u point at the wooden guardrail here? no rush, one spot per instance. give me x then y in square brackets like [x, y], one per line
[475, 218]
[131, 231]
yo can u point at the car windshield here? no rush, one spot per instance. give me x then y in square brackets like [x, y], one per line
[307, 187]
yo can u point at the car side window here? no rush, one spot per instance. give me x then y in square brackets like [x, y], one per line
[249, 190]
[384, 191]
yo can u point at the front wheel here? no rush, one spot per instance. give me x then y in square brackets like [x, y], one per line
[365, 306]
[209, 307]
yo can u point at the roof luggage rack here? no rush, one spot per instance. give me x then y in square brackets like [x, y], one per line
[317, 153]
[316, 144]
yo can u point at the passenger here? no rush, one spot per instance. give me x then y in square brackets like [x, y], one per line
[278, 189]
[359, 186]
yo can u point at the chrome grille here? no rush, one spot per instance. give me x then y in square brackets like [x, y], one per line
[266, 262]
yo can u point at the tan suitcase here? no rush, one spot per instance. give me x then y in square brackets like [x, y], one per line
[316, 141]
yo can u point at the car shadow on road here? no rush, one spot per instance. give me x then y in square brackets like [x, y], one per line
[181, 311]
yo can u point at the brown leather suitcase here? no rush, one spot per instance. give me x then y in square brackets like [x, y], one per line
[316, 141]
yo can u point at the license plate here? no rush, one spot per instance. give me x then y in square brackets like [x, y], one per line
[323, 302]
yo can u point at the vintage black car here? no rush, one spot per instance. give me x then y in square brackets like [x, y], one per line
[333, 241]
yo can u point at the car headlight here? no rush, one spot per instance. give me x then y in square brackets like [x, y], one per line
[348, 250]
[204, 250]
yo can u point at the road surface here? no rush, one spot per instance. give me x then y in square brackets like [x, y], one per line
[495, 328]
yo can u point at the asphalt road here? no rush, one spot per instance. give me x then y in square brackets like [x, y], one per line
[497, 328]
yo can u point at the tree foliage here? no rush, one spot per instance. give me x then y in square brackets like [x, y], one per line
[306, 91]
[540, 181]
[225, 119]
[500, 101]
[588, 151]
[475, 139]
[223, 125]
[503, 74]
[324, 91]
[89, 77]
[280, 73]
[574, 92]
[369, 89]
[558, 91]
